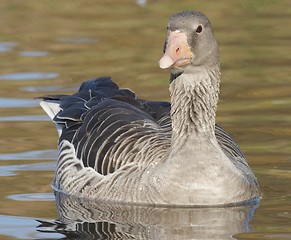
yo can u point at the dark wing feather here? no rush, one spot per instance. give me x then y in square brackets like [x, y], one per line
[96, 116]
[97, 84]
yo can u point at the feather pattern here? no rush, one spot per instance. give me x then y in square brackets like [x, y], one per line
[98, 122]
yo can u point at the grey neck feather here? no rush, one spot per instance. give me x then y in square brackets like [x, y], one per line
[194, 98]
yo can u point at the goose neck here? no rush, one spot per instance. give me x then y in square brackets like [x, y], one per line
[194, 98]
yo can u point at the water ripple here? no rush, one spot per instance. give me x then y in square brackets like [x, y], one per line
[28, 76]
[7, 46]
[31, 155]
[18, 102]
[23, 228]
[10, 170]
[25, 118]
[52, 88]
[32, 197]
[76, 39]
[33, 53]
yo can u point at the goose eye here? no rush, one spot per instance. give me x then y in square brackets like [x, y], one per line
[199, 29]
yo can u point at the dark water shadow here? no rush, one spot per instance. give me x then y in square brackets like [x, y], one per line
[83, 219]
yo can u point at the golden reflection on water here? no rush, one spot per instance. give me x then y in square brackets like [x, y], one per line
[85, 39]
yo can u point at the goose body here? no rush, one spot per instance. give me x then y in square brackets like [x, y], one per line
[114, 146]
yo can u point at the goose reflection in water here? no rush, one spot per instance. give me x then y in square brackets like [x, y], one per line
[84, 219]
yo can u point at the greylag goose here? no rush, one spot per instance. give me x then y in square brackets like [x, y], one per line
[114, 146]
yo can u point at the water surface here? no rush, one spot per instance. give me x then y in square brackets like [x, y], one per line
[52, 46]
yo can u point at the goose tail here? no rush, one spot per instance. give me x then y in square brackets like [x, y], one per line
[52, 108]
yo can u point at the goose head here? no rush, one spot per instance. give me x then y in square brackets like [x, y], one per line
[190, 43]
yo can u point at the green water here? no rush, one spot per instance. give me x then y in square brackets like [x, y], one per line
[51, 46]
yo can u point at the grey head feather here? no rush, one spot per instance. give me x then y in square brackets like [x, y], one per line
[200, 38]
